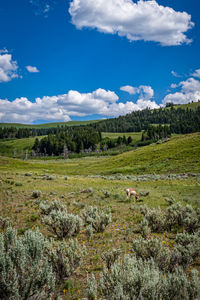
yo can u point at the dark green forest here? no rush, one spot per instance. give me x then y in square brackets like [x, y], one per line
[68, 140]
[179, 120]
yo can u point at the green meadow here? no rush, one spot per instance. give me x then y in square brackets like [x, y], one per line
[48, 125]
[107, 178]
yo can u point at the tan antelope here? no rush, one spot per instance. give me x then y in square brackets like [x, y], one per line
[131, 192]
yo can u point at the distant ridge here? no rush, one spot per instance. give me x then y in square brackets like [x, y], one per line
[48, 125]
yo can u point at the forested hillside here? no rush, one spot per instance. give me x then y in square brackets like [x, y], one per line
[180, 120]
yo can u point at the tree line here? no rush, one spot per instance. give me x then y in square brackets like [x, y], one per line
[20, 133]
[77, 140]
[179, 120]
[68, 140]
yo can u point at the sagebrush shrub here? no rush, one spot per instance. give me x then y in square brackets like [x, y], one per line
[36, 194]
[188, 247]
[25, 272]
[156, 219]
[98, 219]
[176, 216]
[91, 288]
[47, 206]
[133, 278]
[109, 257]
[155, 249]
[144, 228]
[4, 222]
[31, 265]
[63, 224]
[65, 258]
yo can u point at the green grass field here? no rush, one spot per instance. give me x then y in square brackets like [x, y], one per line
[136, 136]
[17, 203]
[48, 125]
[7, 147]
[179, 155]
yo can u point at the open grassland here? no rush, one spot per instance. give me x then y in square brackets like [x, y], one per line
[7, 147]
[179, 155]
[78, 184]
[17, 203]
[192, 105]
[48, 125]
[136, 136]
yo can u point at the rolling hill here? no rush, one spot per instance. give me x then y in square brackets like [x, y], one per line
[179, 155]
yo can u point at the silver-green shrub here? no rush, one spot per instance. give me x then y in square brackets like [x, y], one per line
[156, 219]
[47, 206]
[63, 224]
[65, 257]
[98, 219]
[133, 278]
[155, 249]
[176, 216]
[25, 272]
[144, 228]
[188, 247]
[4, 222]
[109, 257]
[184, 216]
[91, 288]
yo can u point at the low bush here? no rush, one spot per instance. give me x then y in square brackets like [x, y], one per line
[36, 194]
[31, 266]
[46, 206]
[4, 222]
[175, 217]
[144, 228]
[63, 224]
[110, 257]
[188, 247]
[133, 278]
[65, 258]
[25, 272]
[97, 219]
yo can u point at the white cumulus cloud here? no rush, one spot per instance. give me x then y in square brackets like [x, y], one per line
[141, 20]
[32, 69]
[145, 91]
[8, 67]
[73, 103]
[189, 91]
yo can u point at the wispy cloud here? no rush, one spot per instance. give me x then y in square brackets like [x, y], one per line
[175, 74]
[144, 20]
[32, 69]
[196, 73]
[42, 7]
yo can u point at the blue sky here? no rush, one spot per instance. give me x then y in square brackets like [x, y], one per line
[87, 59]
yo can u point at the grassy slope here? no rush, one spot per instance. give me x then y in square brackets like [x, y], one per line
[136, 136]
[7, 147]
[48, 125]
[179, 155]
